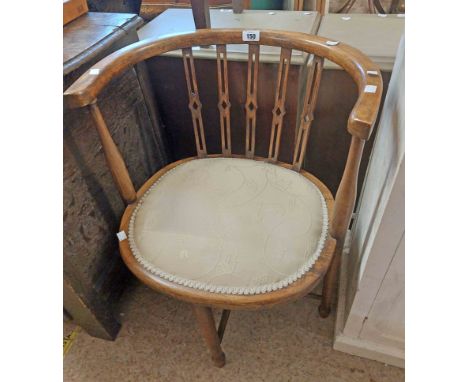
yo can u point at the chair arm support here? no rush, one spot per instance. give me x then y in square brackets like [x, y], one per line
[346, 194]
[114, 159]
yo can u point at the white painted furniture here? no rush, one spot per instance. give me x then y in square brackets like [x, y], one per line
[371, 307]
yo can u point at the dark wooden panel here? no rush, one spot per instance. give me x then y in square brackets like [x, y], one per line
[94, 274]
[93, 35]
[168, 81]
[94, 316]
[74, 45]
[92, 206]
[121, 6]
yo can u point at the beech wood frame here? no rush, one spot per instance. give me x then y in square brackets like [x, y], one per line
[84, 93]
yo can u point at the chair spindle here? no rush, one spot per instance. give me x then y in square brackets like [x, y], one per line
[251, 100]
[341, 218]
[279, 110]
[114, 159]
[224, 105]
[307, 116]
[195, 104]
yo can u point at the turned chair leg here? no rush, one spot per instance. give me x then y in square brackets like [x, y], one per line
[329, 284]
[206, 323]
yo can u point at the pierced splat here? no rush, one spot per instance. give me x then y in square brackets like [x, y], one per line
[251, 100]
[307, 116]
[224, 105]
[279, 110]
[195, 104]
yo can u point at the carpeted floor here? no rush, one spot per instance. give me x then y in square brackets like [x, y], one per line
[159, 342]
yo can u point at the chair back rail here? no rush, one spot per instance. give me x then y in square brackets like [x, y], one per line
[366, 74]
[86, 89]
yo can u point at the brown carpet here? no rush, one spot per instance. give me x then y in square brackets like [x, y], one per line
[159, 342]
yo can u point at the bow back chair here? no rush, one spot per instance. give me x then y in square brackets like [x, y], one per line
[235, 230]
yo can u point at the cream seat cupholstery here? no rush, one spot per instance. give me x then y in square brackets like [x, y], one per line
[230, 225]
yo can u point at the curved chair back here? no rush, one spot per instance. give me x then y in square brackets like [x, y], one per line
[85, 91]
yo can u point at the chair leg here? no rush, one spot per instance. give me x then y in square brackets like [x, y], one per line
[329, 284]
[206, 323]
[223, 323]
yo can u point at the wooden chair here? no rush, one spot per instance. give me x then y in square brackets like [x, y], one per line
[172, 204]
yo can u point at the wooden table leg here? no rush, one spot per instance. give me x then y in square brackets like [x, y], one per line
[206, 323]
[201, 14]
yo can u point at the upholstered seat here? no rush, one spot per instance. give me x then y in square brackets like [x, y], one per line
[230, 225]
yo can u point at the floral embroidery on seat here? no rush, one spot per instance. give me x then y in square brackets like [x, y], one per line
[228, 225]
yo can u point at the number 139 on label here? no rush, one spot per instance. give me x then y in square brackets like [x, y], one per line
[250, 35]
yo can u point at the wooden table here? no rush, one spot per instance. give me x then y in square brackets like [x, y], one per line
[94, 274]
